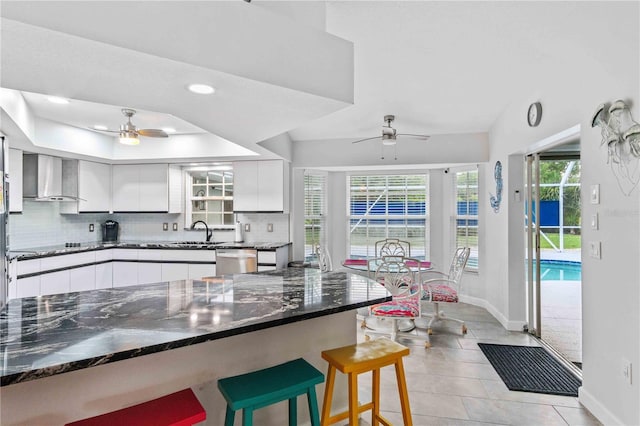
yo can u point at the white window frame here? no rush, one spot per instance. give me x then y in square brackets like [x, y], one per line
[189, 198]
[473, 264]
[322, 217]
[425, 217]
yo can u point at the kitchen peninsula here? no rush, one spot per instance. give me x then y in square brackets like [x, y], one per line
[75, 355]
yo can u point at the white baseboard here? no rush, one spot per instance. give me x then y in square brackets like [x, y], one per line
[509, 325]
[594, 406]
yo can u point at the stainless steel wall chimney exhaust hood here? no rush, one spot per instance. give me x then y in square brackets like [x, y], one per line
[42, 178]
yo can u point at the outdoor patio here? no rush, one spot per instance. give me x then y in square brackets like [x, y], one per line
[562, 310]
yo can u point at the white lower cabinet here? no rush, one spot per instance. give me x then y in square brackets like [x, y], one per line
[28, 287]
[149, 273]
[104, 275]
[120, 268]
[174, 271]
[83, 278]
[125, 273]
[54, 282]
[270, 260]
[201, 270]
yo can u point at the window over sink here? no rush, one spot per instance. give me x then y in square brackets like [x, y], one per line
[210, 195]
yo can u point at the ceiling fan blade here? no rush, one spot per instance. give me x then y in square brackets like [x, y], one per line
[153, 133]
[366, 139]
[105, 130]
[422, 137]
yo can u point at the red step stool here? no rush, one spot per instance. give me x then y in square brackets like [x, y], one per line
[178, 409]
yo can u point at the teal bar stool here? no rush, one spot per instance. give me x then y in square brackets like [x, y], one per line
[251, 391]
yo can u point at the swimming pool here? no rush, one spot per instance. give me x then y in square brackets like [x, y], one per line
[560, 270]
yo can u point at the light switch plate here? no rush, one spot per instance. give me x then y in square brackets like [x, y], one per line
[595, 194]
[627, 372]
[175, 226]
[247, 227]
[595, 249]
[269, 227]
[165, 226]
[91, 228]
[594, 221]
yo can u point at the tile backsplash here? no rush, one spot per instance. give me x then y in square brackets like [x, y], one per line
[41, 225]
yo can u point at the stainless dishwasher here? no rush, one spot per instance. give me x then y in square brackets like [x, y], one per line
[236, 261]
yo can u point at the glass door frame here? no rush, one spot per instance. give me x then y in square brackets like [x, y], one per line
[533, 244]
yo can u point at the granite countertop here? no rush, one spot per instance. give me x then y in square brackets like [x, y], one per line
[48, 335]
[37, 252]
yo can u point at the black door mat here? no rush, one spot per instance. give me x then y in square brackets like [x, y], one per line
[531, 369]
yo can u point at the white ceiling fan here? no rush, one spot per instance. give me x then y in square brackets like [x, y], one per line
[128, 133]
[389, 134]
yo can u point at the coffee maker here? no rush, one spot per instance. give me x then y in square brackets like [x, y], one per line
[110, 231]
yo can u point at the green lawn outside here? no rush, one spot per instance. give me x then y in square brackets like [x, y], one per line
[570, 241]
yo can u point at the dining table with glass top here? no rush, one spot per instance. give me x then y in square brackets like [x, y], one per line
[372, 264]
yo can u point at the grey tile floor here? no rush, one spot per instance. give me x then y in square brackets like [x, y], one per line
[452, 383]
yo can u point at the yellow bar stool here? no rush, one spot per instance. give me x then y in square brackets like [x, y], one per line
[361, 358]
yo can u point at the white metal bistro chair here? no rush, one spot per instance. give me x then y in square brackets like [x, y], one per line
[404, 285]
[392, 247]
[324, 259]
[445, 288]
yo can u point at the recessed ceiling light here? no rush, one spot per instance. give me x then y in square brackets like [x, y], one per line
[58, 100]
[201, 89]
[168, 130]
[100, 127]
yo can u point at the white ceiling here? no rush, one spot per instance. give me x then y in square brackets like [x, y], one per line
[440, 67]
[83, 114]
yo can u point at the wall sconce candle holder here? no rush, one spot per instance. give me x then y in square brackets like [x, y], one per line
[621, 134]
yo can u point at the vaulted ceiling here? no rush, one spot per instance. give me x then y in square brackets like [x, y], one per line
[306, 71]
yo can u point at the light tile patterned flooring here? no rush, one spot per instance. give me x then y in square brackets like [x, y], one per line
[452, 383]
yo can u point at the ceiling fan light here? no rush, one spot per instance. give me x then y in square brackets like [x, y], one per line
[388, 139]
[129, 138]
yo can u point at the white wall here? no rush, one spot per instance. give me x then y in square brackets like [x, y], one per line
[439, 149]
[603, 67]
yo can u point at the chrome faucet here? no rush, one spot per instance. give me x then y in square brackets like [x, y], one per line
[206, 227]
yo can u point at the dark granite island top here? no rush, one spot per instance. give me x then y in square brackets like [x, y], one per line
[49, 335]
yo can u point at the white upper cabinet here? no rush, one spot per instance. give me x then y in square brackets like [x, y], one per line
[245, 186]
[91, 182]
[15, 181]
[94, 186]
[141, 188]
[261, 186]
[153, 184]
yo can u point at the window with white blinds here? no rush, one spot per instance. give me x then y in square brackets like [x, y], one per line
[314, 212]
[390, 206]
[466, 213]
